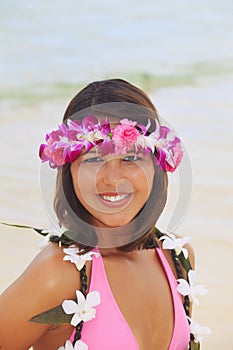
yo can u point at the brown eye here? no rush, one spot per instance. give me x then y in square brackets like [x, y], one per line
[93, 160]
[132, 158]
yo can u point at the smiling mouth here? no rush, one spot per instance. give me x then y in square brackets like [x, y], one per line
[114, 198]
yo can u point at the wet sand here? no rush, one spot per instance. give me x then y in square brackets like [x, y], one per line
[203, 116]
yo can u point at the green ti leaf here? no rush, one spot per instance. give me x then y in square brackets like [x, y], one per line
[185, 262]
[194, 345]
[52, 316]
[158, 233]
[38, 230]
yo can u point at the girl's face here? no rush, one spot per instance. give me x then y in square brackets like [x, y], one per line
[113, 189]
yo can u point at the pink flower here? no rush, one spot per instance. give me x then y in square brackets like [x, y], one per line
[71, 153]
[124, 136]
[53, 152]
[177, 155]
[65, 144]
[88, 124]
[57, 158]
[169, 150]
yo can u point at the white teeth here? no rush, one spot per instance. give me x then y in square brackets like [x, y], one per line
[115, 198]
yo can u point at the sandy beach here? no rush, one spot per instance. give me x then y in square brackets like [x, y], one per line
[202, 114]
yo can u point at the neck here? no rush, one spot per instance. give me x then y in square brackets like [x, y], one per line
[114, 252]
[112, 237]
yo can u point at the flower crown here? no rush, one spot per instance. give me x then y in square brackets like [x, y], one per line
[65, 144]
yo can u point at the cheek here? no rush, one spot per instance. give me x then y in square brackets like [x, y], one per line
[144, 179]
[82, 182]
[77, 180]
[85, 186]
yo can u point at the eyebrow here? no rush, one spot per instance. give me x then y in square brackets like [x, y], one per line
[94, 151]
[91, 151]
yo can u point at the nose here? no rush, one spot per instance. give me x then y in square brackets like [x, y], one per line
[114, 177]
[111, 172]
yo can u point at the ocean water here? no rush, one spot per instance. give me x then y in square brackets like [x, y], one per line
[49, 45]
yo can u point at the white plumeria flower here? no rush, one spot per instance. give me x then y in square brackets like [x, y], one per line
[171, 242]
[79, 345]
[73, 255]
[83, 310]
[198, 331]
[192, 289]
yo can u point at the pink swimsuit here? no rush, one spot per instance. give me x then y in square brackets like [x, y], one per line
[110, 331]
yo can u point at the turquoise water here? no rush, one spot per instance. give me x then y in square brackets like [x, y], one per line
[47, 47]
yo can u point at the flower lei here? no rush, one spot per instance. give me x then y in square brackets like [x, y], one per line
[84, 311]
[65, 144]
[187, 288]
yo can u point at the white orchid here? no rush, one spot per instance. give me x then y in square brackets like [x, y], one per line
[83, 310]
[79, 345]
[192, 289]
[153, 139]
[198, 331]
[73, 255]
[171, 242]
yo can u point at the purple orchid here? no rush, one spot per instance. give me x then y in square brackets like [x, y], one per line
[65, 144]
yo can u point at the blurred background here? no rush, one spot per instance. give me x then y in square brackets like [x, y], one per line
[180, 52]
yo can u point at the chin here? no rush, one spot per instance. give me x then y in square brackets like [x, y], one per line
[111, 223]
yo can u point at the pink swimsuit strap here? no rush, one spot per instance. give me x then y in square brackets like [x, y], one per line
[109, 330]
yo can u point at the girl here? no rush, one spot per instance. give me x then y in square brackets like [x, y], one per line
[105, 283]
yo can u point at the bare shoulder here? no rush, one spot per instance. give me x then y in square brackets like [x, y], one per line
[46, 282]
[54, 276]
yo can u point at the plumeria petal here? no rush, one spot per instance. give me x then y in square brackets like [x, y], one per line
[192, 278]
[72, 250]
[185, 252]
[55, 230]
[69, 306]
[191, 289]
[80, 263]
[76, 319]
[171, 242]
[93, 299]
[68, 346]
[83, 310]
[183, 287]
[80, 298]
[74, 255]
[79, 345]
[168, 243]
[198, 331]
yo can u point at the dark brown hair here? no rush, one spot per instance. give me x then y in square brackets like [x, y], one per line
[71, 214]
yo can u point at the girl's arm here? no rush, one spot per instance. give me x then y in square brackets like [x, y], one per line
[45, 284]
